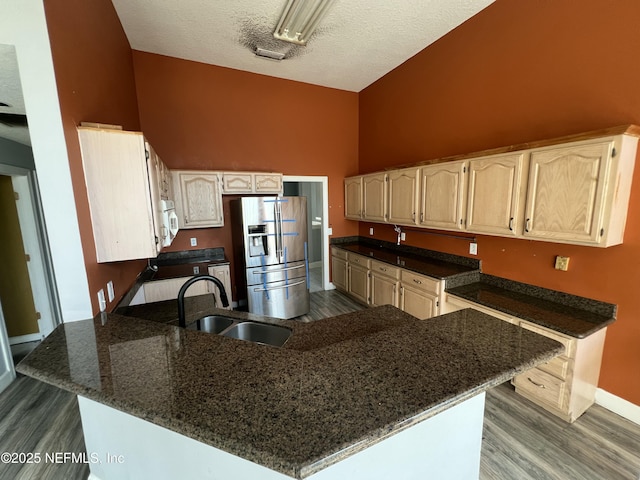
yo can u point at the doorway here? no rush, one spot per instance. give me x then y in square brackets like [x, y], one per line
[316, 189]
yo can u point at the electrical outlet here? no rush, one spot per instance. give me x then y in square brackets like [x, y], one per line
[473, 248]
[102, 303]
[110, 292]
[562, 263]
[196, 270]
[403, 236]
[330, 231]
[194, 242]
[370, 230]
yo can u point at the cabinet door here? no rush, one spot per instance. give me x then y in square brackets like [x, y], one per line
[117, 180]
[339, 273]
[200, 200]
[268, 182]
[442, 193]
[384, 290]
[154, 171]
[565, 199]
[237, 182]
[420, 304]
[353, 198]
[358, 283]
[403, 196]
[159, 290]
[374, 195]
[495, 200]
[222, 273]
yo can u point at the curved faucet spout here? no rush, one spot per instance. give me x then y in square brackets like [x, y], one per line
[191, 281]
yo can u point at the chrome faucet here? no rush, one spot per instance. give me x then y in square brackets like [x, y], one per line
[191, 281]
[398, 230]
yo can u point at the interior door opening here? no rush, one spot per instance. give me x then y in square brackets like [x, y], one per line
[315, 188]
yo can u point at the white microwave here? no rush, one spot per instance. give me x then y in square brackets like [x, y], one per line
[169, 222]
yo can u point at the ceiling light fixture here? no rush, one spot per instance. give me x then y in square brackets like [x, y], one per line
[299, 19]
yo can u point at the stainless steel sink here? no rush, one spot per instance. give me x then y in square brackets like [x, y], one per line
[266, 334]
[212, 323]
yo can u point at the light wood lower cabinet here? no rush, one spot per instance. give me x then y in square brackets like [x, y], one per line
[385, 284]
[378, 283]
[565, 385]
[222, 273]
[419, 294]
[339, 270]
[159, 290]
[358, 277]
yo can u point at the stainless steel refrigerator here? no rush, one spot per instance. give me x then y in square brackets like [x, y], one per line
[274, 239]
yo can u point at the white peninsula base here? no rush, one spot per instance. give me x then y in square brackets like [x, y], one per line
[121, 446]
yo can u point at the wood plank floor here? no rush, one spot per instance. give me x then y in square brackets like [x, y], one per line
[520, 440]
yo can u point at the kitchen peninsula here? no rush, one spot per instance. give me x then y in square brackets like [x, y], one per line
[370, 394]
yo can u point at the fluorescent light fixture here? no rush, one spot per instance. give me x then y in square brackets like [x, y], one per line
[299, 19]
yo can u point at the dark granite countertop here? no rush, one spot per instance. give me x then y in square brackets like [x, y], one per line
[426, 262]
[337, 387]
[569, 314]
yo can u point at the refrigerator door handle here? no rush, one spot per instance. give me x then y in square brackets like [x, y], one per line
[262, 272]
[267, 289]
[278, 224]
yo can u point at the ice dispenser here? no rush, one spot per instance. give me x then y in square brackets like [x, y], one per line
[257, 240]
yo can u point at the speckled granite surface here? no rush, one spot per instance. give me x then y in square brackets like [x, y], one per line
[427, 262]
[338, 386]
[569, 314]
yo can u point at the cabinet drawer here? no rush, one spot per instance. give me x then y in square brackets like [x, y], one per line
[356, 259]
[338, 252]
[558, 367]
[543, 387]
[385, 269]
[569, 343]
[421, 282]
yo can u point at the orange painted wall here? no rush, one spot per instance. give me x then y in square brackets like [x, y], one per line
[522, 71]
[200, 116]
[94, 75]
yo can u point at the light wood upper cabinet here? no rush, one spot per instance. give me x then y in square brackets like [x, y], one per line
[442, 195]
[353, 198]
[579, 193]
[402, 193]
[251, 182]
[123, 188]
[267, 182]
[374, 195]
[199, 199]
[495, 196]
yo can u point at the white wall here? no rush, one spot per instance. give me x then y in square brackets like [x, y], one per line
[23, 25]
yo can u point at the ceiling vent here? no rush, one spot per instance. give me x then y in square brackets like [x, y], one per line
[270, 54]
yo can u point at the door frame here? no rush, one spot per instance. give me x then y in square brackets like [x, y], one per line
[324, 180]
[7, 369]
[43, 286]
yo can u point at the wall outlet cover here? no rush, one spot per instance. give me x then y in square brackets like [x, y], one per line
[110, 292]
[403, 236]
[370, 230]
[194, 242]
[562, 263]
[102, 303]
[473, 248]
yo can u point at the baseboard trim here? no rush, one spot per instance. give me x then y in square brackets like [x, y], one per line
[31, 337]
[618, 405]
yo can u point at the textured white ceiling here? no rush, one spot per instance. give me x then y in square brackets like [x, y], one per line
[358, 41]
[11, 93]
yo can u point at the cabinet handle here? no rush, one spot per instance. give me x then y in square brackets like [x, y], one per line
[417, 281]
[421, 217]
[511, 224]
[526, 225]
[539, 385]
[383, 269]
[413, 216]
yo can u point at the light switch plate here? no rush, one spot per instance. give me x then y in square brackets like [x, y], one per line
[102, 303]
[194, 242]
[110, 292]
[473, 248]
[370, 230]
[403, 236]
[562, 263]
